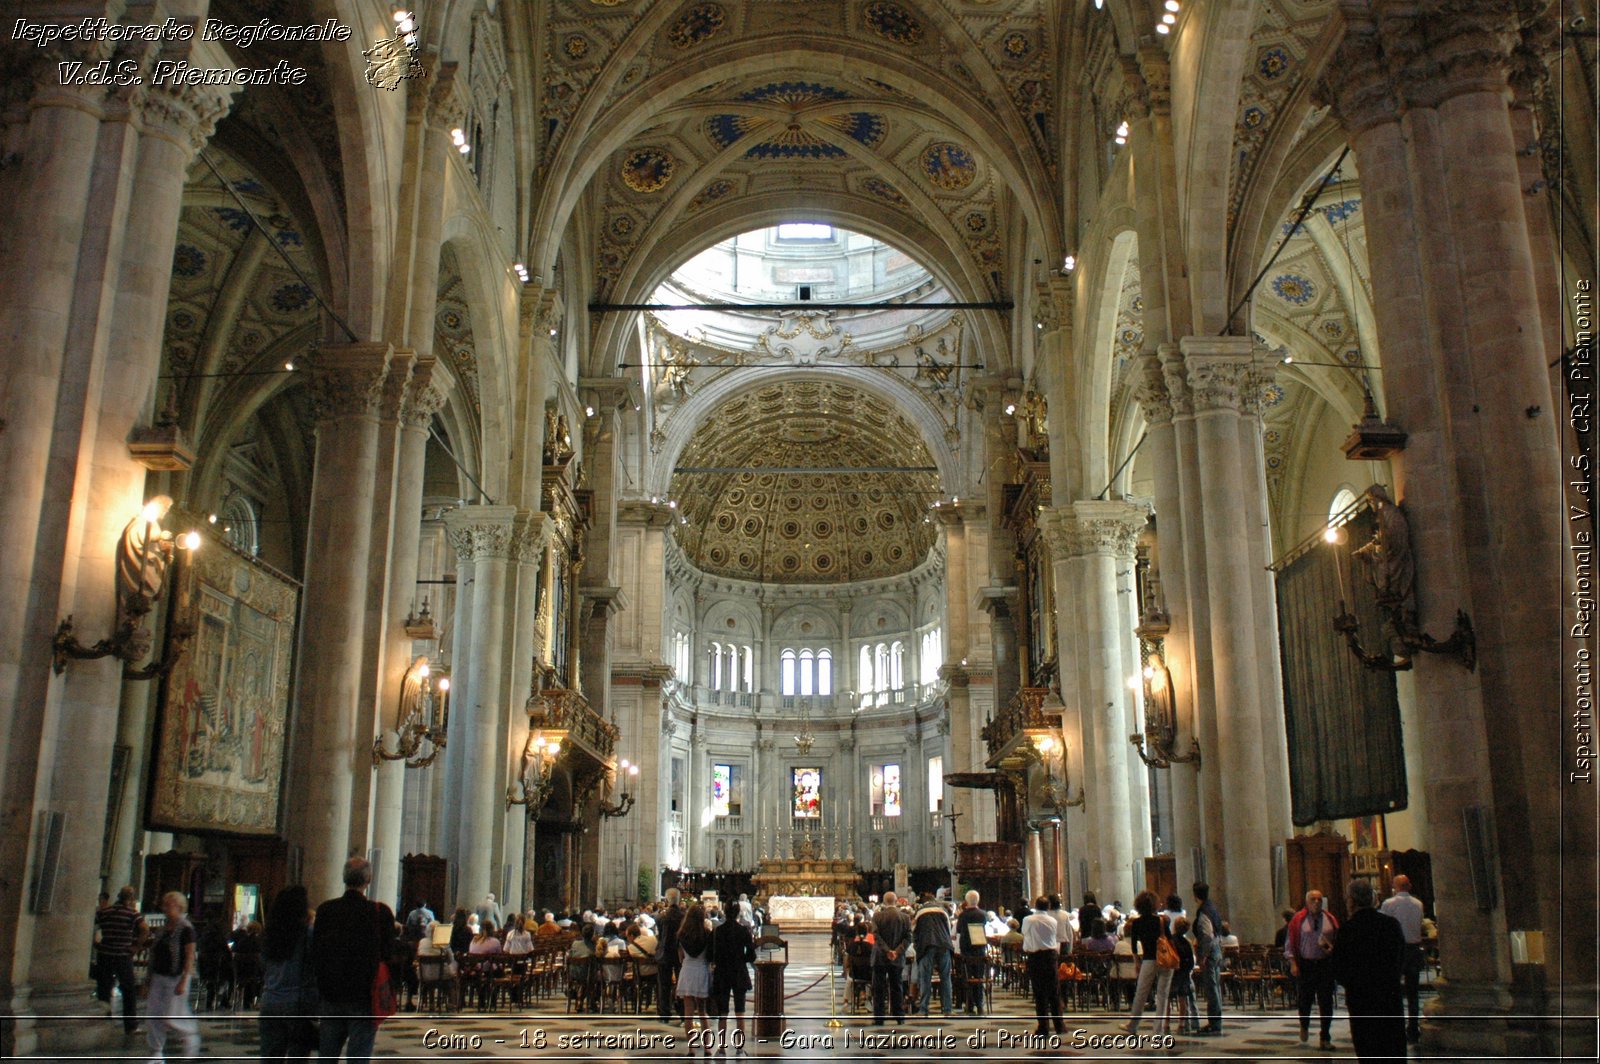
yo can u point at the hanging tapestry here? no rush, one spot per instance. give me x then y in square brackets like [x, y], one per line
[219, 751]
[1343, 720]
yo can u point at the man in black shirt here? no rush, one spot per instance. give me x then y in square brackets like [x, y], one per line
[974, 945]
[1368, 959]
[667, 923]
[350, 937]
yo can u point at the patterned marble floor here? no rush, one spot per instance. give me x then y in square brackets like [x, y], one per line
[547, 1032]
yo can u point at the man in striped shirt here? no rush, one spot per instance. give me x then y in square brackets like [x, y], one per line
[119, 930]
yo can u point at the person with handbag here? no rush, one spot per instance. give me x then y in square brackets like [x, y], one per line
[171, 968]
[349, 944]
[1158, 959]
[288, 988]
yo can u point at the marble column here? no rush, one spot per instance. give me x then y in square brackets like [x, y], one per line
[1465, 368]
[448, 822]
[527, 550]
[1220, 373]
[425, 396]
[331, 750]
[1178, 650]
[1099, 536]
[476, 723]
[376, 655]
[99, 323]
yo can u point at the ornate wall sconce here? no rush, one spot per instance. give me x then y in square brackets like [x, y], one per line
[424, 718]
[624, 803]
[144, 554]
[1157, 743]
[535, 783]
[1392, 573]
[1049, 750]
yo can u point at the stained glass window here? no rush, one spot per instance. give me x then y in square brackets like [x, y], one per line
[721, 788]
[891, 790]
[807, 793]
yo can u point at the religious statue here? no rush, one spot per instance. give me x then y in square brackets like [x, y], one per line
[676, 366]
[557, 438]
[1390, 566]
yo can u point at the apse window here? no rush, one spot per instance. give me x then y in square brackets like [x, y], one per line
[806, 672]
[727, 790]
[807, 793]
[935, 784]
[885, 781]
[805, 231]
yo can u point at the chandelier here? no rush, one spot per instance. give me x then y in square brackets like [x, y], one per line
[805, 740]
[626, 769]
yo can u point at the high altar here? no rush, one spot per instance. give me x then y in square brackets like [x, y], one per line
[799, 891]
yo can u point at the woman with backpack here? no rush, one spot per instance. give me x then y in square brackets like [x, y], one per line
[1152, 944]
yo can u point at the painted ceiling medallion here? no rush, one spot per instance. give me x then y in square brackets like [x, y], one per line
[700, 23]
[711, 193]
[1293, 288]
[893, 22]
[1016, 45]
[949, 166]
[648, 169]
[877, 186]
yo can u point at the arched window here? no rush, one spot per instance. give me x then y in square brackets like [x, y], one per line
[865, 677]
[1343, 499]
[716, 666]
[787, 670]
[240, 526]
[824, 672]
[897, 666]
[808, 674]
[749, 670]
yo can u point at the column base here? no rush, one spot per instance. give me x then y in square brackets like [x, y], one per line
[60, 1020]
[1497, 1020]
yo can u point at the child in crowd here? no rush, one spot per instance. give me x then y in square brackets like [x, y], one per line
[1183, 979]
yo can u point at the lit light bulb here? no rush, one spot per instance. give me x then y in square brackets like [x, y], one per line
[212, 518]
[589, 411]
[406, 25]
[1070, 263]
[1163, 29]
[1169, 18]
[1011, 408]
[401, 16]
[423, 671]
[190, 541]
[153, 511]
[623, 763]
[555, 748]
[1172, 5]
[444, 684]
[1331, 535]
[289, 366]
[633, 770]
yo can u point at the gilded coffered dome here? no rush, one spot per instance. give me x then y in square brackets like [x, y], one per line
[805, 482]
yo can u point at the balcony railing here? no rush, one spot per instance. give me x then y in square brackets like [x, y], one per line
[565, 708]
[1026, 710]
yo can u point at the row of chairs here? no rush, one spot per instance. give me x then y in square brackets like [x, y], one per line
[610, 984]
[484, 981]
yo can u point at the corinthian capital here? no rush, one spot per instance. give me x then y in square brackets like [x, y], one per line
[1219, 371]
[447, 104]
[426, 394]
[1108, 526]
[479, 533]
[1150, 391]
[1055, 303]
[186, 115]
[346, 380]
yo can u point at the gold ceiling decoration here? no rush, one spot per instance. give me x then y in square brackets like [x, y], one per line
[863, 515]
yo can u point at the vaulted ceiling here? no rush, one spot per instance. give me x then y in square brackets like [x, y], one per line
[753, 508]
[674, 122]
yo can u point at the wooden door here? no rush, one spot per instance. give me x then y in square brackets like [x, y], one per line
[1319, 862]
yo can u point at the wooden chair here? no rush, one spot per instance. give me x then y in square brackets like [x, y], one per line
[438, 988]
[581, 973]
[977, 979]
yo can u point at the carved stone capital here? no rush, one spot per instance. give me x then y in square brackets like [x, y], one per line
[1109, 526]
[1054, 309]
[1390, 58]
[1174, 380]
[186, 115]
[1220, 371]
[1150, 391]
[480, 533]
[530, 534]
[426, 394]
[346, 380]
[447, 102]
[392, 392]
